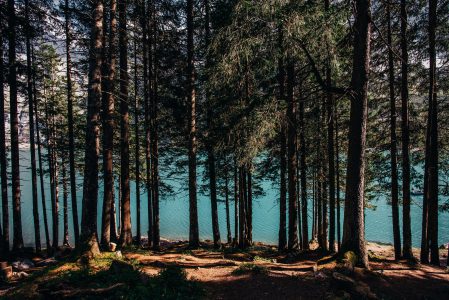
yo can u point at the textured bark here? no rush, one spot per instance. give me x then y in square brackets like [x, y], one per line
[303, 168]
[125, 226]
[406, 221]
[65, 240]
[37, 231]
[15, 165]
[236, 204]
[108, 103]
[282, 239]
[194, 238]
[88, 237]
[249, 211]
[154, 136]
[293, 243]
[337, 170]
[354, 223]
[393, 142]
[51, 171]
[3, 164]
[73, 191]
[137, 147]
[432, 152]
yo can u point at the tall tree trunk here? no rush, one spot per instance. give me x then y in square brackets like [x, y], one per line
[228, 220]
[3, 163]
[88, 238]
[282, 240]
[125, 226]
[406, 221]
[108, 99]
[303, 168]
[337, 169]
[330, 148]
[393, 143]
[39, 155]
[354, 223]
[15, 166]
[243, 235]
[137, 147]
[154, 135]
[73, 192]
[194, 239]
[249, 212]
[293, 243]
[432, 153]
[65, 240]
[37, 231]
[324, 181]
[147, 93]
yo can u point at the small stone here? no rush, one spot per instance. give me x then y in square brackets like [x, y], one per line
[119, 254]
[112, 247]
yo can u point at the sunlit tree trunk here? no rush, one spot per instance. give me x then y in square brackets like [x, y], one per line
[194, 238]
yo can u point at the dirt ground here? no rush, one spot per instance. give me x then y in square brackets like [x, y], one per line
[284, 276]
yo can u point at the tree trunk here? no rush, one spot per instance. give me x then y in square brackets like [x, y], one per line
[249, 212]
[354, 223]
[303, 167]
[406, 221]
[39, 155]
[293, 243]
[337, 169]
[15, 165]
[88, 238]
[65, 241]
[37, 231]
[194, 239]
[432, 153]
[137, 147]
[73, 192]
[3, 163]
[393, 143]
[228, 220]
[282, 240]
[154, 137]
[125, 226]
[108, 100]
[236, 203]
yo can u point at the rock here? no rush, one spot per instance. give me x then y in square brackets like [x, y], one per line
[20, 275]
[6, 273]
[112, 247]
[120, 266]
[23, 265]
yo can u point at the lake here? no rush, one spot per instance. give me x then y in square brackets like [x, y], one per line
[174, 213]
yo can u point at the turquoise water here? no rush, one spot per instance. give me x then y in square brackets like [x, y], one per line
[174, 213]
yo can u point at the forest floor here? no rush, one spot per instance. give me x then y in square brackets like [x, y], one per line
[176, 272]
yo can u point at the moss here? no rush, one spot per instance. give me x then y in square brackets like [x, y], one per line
[250, 268]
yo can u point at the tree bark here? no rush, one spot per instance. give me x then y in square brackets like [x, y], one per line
[65, 240]
[432, 152]
[406, 221]
[282, 239]
[15, 165]
[108, 102]
[194, 239]
[303, 167]
[3, 164]
[37, 231]
[236, 203]
[88, 237]
[228, 220]
[125, 226]
[293, 243]
[354, 223]
[393, 142]
[337, 169]
[73, 191]
[137, 147]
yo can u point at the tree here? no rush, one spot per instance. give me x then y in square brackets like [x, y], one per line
[15, 165]
[125, 226]
[194, 239]
[88, 238]
[72, 170]
[108, 99]
[354, 224]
